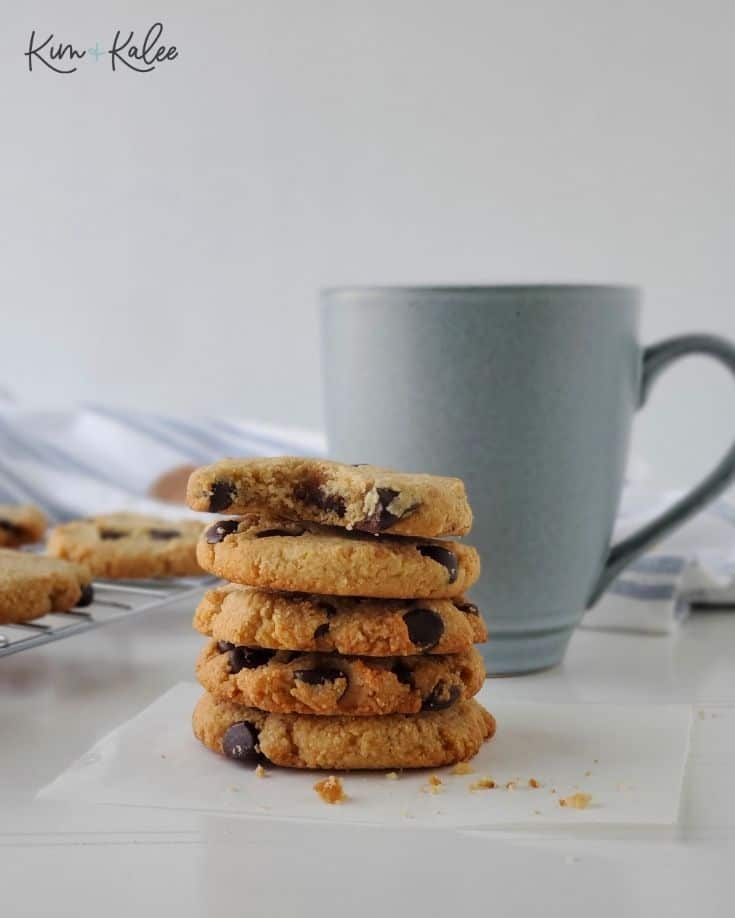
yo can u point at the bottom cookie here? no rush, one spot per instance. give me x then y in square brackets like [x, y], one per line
[426, 740]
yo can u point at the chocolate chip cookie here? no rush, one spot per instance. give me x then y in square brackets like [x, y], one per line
[331, 624]
[129, 546]
[21, 525]
[289, 682]
[273, 553]
[362, 497]
[33, 585]
[427, 740]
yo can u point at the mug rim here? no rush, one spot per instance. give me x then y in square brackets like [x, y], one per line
[480, 288]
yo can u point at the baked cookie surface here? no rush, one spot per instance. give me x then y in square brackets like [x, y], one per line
[129, 545]
[21, 524]
[265, 551]
[33, 585]
[427, 740]
[362, 497]
[330, 624]
[289, 682]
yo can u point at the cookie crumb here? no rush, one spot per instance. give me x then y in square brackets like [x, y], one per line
[434, 786]
[483, 784]
[537, 812]
[577, 801]
[392, 776]
[511, 785]
[595, 761]
[462, 768]
[553, 790]
[532, 782]
[260, 772]
[331, 790]
[588, 774]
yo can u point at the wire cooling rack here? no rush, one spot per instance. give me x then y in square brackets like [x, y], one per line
[112, 600]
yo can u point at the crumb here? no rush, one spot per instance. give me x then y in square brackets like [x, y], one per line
[511, 785]
[331, 790]
[537, 812]
[262, 808]
[462, 768]
[392, 775]
[576, 801]
[596, 761]
[588, 774]
[532, 782]
[260, 772]
[434, 786]
[553, 790]
[701, 715]
[483, 784]
[163, 755]
[234, 789]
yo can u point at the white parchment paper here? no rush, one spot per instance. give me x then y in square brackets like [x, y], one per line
[629, 758]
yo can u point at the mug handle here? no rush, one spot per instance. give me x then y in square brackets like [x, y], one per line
[655, 360]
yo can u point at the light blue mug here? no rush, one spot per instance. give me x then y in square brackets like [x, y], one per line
[528, 393]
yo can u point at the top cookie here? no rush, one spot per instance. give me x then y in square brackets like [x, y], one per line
[129, 545]
[21, 525]
[363, 497]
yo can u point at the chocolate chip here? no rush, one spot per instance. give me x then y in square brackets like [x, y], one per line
[248, 658]
[220, 530]
[425, 627]
[314, 495]
[327, 608]
[403, 673]
[321, 630]
[359, 465]
[381, 518]
[442, 696]
[442, 556]
[267, 533]
[112, 534]
[11, 528]
[224, 646]
[221, 496]
[240, 742]
[87, 596]
[322, 676]
[164, 534]
[469, 607]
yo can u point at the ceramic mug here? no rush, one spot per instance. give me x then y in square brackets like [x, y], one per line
[528, 393]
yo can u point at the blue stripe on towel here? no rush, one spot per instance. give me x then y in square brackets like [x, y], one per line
[659, 564]
[49, 454]
[631, 589]
[26, 492]
[271, 442]
[152, 431]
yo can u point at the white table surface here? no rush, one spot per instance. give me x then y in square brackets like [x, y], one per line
[58, 859]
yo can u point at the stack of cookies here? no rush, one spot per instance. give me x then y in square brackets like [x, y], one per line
[343, 638]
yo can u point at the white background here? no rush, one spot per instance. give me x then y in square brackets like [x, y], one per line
[164, 235]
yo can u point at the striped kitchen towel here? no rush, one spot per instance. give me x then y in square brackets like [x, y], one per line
[99, 459]
[694, 566]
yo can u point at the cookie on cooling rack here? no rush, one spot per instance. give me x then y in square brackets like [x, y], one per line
[122, 546]
[33, 585]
